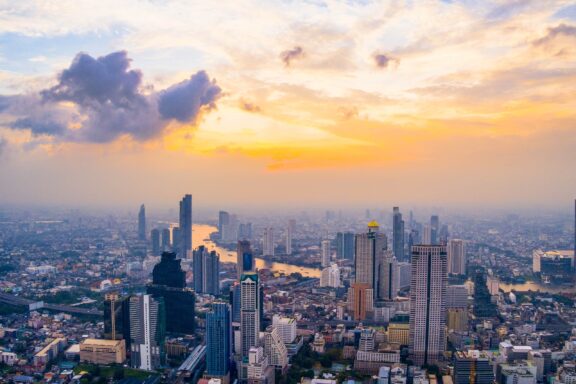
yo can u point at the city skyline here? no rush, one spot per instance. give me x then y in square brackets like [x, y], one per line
[266, 106]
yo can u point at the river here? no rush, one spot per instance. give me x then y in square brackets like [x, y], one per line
[201, 236]
[535, 286]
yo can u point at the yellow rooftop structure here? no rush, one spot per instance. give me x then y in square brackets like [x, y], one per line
[373, 224]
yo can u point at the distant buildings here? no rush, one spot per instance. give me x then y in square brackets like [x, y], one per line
[165, 244]
[244, 258]
[325, 253]
[185, 233]
[428, 303]
[289, 234]
[142, 223]
[147, 332]
[206, 271]
[345, 245]
[330, 276]
[398, 234]
[155, 238]
[456, 257]
[268, 242]
[556, 266]
[218, 340]
[435, 229]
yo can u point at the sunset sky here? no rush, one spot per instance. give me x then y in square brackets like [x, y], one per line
[288, 103]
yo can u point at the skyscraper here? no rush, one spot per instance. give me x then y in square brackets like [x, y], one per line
[427, 234]
[223, 220]
[206, 268]
[428, 303]
[165, 244]
[389, 277]
[169, 284]
[289, 233]
[370, 249]
[142, 223]
[325, 253]
[147, 332]
[456, 257]
[360, 300]
[218, 340]
[398, 234]
[434, 229]
[185, 247]
[244, 258]
[117, 318]
[155, 238]
[268, 242]
[330, 276]
[275, 349]
[345, 245]
[249, 312]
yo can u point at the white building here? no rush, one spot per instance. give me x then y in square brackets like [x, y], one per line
[274, 348]
[325, 253]
[249, 312]
[330, 276]
[286, 327]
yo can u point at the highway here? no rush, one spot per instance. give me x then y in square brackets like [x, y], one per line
[20, 301]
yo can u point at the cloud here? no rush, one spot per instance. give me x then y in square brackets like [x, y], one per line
[249, 106]
[101, 99]
[292, 54]
[183, 101]
[560, 30]
[384, 60]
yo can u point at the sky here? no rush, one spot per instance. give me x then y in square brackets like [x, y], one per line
[288, 103]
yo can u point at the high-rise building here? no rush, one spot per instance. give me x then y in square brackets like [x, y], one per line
[389, 277]
[456, 257]
[206, 268]
[218, 340]
[345, 245]
[456, 296]
[361, 300]
[169, 284]
[147, 332]
[435, 229]
[117, 318]
[176, 238]
[223, 220]
[427, 234]
[250, 304]
[398, 234]
[244, 258]
[370, 249]
[325, 253]
[268, 242]
[245, 231]
[155, 238]
[330, 276]
[428, 303]
[235, 301]
[472, 367]
[275, 349]
[165, 243]
[185, 247]
[142, 223]
[286, 328]
[289, 234]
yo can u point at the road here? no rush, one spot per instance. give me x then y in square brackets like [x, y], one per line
[20, 301]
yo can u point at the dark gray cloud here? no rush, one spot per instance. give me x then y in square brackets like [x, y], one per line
[384, 60]
[183, 101]
[109, 101]
[562, 29]
[292, 54]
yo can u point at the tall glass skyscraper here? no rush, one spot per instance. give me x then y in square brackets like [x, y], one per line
[370, 248]
[218, 340]
[206, 268]
[185, 246]
[142, 223]
[345, 245]
[398, 234]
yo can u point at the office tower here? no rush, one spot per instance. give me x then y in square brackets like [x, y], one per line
[289, 233]
[155, 237]
[413, 239]
[325, 253]
[169, 283]
[456, 257]
[286, 327]
[345, 245]
[147, 332]
[218, 340]
[268, 243]
[206, 268]
[235, 302]
[427, 234]
[398, 234]
[366, 343]
[275, 349]
[389, 277]
[330, 276]
[443, 235]
[142, 223]
[404, 274]
[456, 296]
[244, 258]
[361, 300]
[370, 249]
[223, 220]
[250, 305]
[434, 229]
[117, 318]
[428, 303]
[165, 243]
[176, 239]
[185, 245]
[245, 231]
[472, 367]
